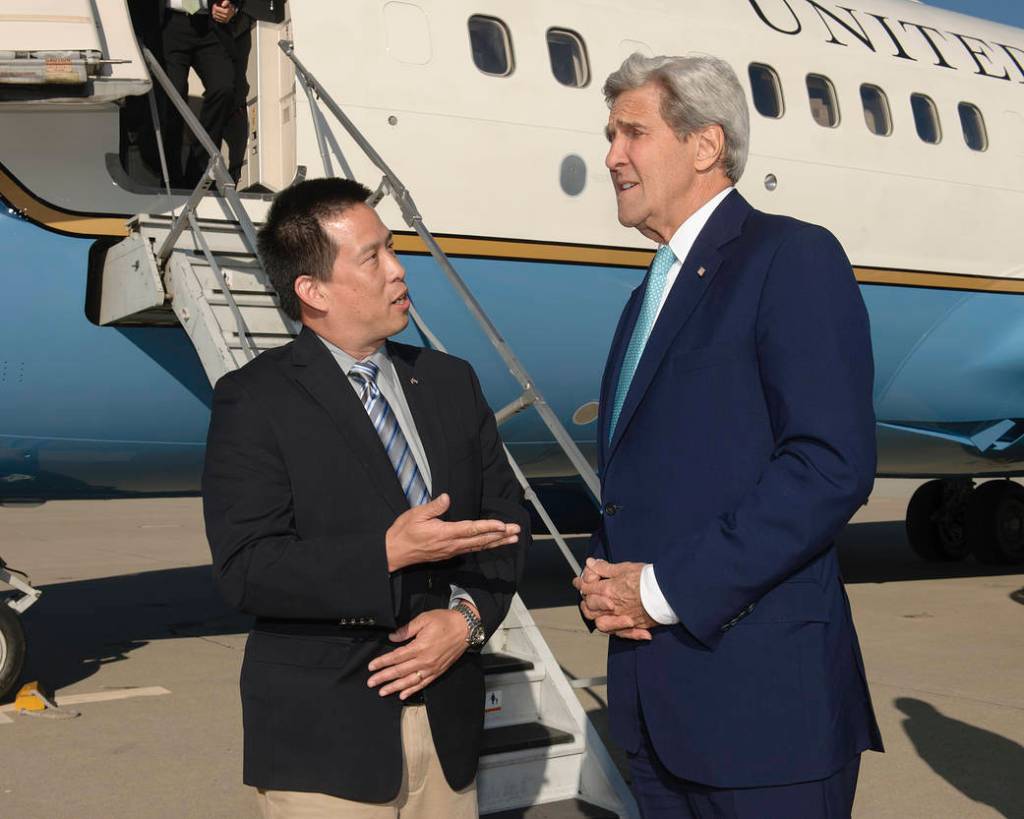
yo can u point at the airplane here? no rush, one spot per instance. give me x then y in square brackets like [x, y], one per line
[897, 125]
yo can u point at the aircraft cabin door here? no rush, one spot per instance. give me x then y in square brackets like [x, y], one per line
[270, 154]
[62, 52]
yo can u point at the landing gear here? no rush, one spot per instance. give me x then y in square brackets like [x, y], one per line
[936, 519]
[948, 519]
[12, 650]
[995, 523]
[12, 635]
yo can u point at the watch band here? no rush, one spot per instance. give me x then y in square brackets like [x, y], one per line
[474, 625]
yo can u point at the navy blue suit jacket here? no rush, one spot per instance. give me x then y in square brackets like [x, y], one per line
[746, 442]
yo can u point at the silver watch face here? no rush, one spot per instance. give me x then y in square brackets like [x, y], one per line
[477, 636]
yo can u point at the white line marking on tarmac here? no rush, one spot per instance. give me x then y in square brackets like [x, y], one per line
[99, 696]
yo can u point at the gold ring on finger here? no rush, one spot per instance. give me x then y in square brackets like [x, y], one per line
[419, 675]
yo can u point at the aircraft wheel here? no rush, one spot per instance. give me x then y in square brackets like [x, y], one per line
[936, 520]
[12, 649]
[995, 523]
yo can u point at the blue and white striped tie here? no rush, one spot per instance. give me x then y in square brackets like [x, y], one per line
[384, 421]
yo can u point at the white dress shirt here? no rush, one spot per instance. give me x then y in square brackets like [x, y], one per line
[389, 385]
[387, 382]
[177, 5]
[653, 600]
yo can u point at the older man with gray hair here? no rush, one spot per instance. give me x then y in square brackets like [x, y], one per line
[736, 438]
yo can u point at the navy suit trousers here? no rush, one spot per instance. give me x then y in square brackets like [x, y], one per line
[664, 796]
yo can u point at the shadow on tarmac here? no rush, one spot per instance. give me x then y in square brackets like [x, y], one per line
[82, 625]
[982, 765]
[85, 624]
[868, 553]
[879, 553]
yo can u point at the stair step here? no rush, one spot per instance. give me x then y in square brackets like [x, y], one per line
[219, 238]
[498, 663]
[508, 738]
[563, 809]
[241, 277]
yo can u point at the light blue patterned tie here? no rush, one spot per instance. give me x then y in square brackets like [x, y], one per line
[663, 261]
[395, 444]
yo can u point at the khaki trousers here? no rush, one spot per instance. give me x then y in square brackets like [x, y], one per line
[424, 794]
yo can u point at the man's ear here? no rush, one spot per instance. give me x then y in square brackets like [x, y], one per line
[310, 293]
[710, 147]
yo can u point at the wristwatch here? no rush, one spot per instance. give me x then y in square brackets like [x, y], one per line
[476, 637]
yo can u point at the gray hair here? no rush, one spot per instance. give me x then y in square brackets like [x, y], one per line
[698, 91]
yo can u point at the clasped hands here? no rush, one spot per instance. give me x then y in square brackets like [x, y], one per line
[222, 11]
[610, 595]
[436, 638]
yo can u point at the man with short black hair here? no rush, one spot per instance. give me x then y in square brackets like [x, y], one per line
[359, 503]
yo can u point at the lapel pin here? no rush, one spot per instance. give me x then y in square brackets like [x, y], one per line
[701, 272]
[413, 381]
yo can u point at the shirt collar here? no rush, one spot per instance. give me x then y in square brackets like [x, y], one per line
[379, 356]
[683, 239]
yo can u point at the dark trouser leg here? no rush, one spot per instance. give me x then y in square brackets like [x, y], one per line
[178, 42]
[661, 795]
[830, 798]
[236, 130]
[216, 68]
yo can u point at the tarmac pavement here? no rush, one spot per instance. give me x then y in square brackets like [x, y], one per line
[129, 605]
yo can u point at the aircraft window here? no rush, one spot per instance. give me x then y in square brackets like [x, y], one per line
[568, 58]
[926, 118]
[876, 110]
[766, 90]
[973, 122]
[822, 95]
[492, 45]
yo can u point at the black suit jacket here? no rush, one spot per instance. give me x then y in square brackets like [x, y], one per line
[298, 495]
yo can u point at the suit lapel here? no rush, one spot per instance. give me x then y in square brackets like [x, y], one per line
[318, 373]
[694, 279]
[422, 397]
[616, 355]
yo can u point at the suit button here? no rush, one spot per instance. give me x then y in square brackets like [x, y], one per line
[610, 509]
[430, 581]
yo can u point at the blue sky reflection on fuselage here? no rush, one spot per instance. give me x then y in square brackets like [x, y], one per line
[1010, 12]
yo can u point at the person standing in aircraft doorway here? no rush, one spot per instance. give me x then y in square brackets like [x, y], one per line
[196, 34]
[736, 439]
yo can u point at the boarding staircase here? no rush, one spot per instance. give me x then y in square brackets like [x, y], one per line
[539, 745]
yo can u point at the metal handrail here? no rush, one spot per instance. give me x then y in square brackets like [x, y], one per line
[413, 218]
[243, 335]
[528, 491]
[217, 171]
[318, 129]
[217, 174]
